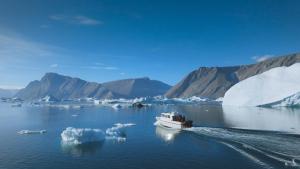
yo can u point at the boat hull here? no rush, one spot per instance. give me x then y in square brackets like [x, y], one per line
[168, 123]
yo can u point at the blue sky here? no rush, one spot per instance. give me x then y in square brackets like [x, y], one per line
[162, 39]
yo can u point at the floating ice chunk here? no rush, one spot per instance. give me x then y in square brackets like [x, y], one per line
[48, 99]
[116, 106]
[220, 99]
[32, 131]
[123, 125]
[138, 100]
[188, 100]
[118, 131]
[77, 106]
[81, 135]
[96, 102]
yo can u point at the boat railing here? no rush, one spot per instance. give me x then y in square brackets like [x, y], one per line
[179, 118]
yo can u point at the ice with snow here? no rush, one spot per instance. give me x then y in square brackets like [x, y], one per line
[81, 135]
[32, 131]
[117, 132]
[116, 106]
[266, 88]
[76, 136]
[291, 101]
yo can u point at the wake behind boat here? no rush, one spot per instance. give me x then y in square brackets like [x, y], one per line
[173, 120]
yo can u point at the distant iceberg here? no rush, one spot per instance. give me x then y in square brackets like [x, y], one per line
[48, 99]
[277, 85]
[117, 103]
[116, 106]
[32, 131]
[81, 135]
[190, 99]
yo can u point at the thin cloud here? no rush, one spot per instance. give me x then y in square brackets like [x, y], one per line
[98, 67]
[79, 20]
[44, 26]
[91, 67]
[54, 65]
[57, 17]
[17, 48]
[99, 63]
[110, 68]
[19, 53]
[83, 20]
[262, 58]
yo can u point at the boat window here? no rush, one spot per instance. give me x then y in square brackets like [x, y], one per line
[166, 116]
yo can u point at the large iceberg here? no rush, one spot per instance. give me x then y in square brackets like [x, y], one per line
[82, 135]
[266, 88]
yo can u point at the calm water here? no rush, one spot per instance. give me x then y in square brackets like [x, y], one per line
[227, 137]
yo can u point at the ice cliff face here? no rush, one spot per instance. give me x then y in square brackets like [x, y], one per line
[275, 86]
[291, 101]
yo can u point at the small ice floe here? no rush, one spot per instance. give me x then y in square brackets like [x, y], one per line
[81, 135]
[291, 163]
[97, 102]
[16, 105]
[60, 106]
[118, 132]
[220, 99]
[116, 106]
[32, 132]
[75, 115]
[77, 106]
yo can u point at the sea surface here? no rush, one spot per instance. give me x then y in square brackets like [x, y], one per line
[223, 138]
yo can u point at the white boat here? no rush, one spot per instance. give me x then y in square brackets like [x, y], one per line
[173, 120]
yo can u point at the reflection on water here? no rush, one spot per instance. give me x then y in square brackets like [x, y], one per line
[264, 148]
[266, 136]
[284, 120]
[81, 149]
[202, 115]
[227, 146]
[166, 134]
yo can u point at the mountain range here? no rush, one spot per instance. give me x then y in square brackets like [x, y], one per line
[64, 87]
[213, 82]
[207, 82]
